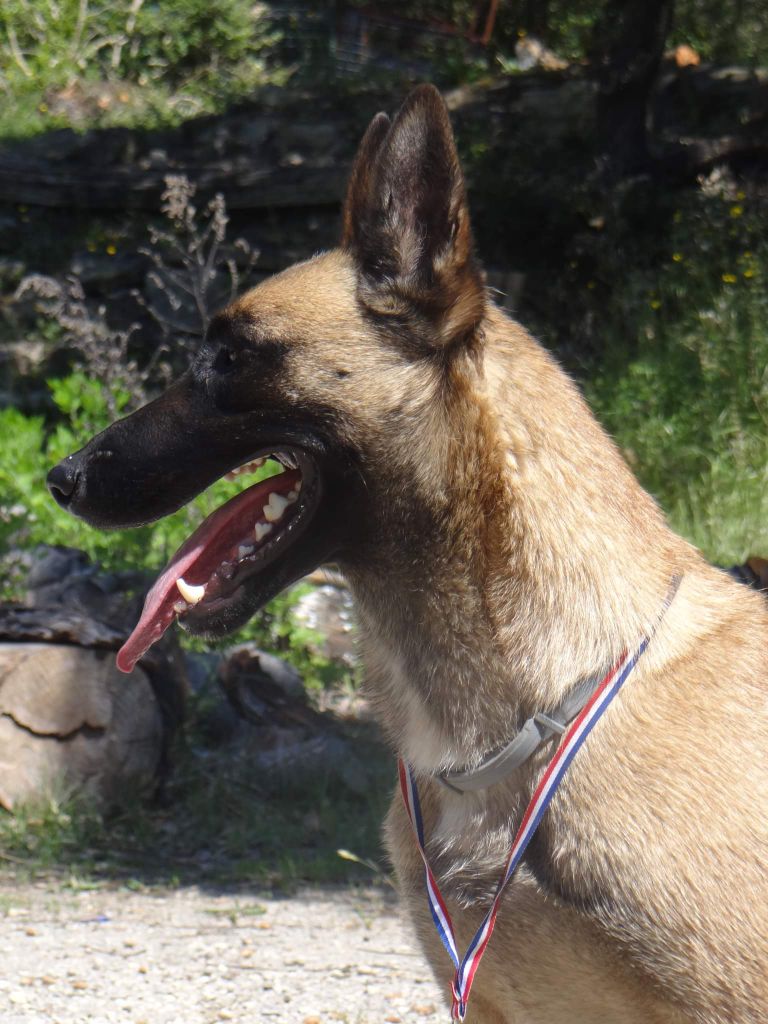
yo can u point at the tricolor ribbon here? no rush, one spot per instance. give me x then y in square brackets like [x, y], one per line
[572, 740]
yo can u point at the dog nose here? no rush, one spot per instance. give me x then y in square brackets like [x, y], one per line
[62, 481]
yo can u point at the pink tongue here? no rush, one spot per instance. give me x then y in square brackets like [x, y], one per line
[214, 541]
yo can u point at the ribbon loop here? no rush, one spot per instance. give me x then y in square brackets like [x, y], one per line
[573, 738]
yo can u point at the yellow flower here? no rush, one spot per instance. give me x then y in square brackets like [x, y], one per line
[736, 210]
[730, 278]
[747, 255]
[749, 272]
[91, 247]
[677, 257]
[111, 249]
[43, 108]
[655, 303]
[677, 217]
[741, 195]
[591, 285]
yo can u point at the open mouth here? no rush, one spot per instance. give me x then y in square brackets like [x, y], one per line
[235, 543]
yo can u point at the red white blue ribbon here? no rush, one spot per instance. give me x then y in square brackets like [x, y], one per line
[572, 740]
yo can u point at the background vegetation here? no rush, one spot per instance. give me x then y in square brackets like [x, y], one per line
[651, 286]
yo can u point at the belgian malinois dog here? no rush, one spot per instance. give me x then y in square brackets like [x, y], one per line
[500, 553]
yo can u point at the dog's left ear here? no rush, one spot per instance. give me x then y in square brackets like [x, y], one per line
[406, 222]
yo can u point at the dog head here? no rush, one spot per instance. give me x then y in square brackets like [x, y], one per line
[343, 367]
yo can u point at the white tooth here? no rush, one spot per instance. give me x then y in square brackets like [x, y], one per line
[180, 606]
[261, 530]
[275, 507]
[244, 550]
[189, 592]
[292, 495]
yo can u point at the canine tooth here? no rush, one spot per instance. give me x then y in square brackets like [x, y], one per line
[244, 550]
[261, 530]
[192, 594]
[275, 507]
[180, 606]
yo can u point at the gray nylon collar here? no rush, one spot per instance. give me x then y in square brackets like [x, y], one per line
[535, 731]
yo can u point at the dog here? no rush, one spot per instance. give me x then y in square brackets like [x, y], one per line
[500, 553]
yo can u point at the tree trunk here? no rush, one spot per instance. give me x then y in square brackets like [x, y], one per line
[627, 48]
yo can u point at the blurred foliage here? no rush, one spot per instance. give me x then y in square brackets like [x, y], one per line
[722, 32]
[657, 299]
[680, 376]
[166, 60]
[85, 63]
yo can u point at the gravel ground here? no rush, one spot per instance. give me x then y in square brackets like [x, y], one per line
[191, 956]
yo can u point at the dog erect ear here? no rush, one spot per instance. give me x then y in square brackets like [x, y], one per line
[360, 179]
[406, 223]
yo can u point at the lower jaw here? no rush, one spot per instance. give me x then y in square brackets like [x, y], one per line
[215, 618]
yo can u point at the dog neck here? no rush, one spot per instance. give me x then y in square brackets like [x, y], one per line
[542, 560]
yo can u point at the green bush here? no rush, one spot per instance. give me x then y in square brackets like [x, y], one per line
[170, 59]
[682, 378]
[55, 43]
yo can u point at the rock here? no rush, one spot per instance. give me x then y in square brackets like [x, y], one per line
[69, 721]
[532, 53]
[324, 755]
[259, 699]
[290, 737]
[328, 610]
[53, 563]
[72, 601]
[247, 660]
[66, 580]
[202, 669]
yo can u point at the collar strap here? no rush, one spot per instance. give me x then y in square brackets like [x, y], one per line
[534, 732]
[575, 736]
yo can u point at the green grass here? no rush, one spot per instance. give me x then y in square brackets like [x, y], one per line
[682, 377]
[218, 824]
[82, 65]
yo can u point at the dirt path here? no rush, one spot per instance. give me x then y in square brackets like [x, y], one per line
[188, 956]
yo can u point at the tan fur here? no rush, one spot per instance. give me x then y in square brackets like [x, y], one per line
[509, 553]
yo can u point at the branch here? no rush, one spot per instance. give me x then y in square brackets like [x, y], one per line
[16, 53]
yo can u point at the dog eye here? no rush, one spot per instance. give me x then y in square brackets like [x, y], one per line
[224, 359]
